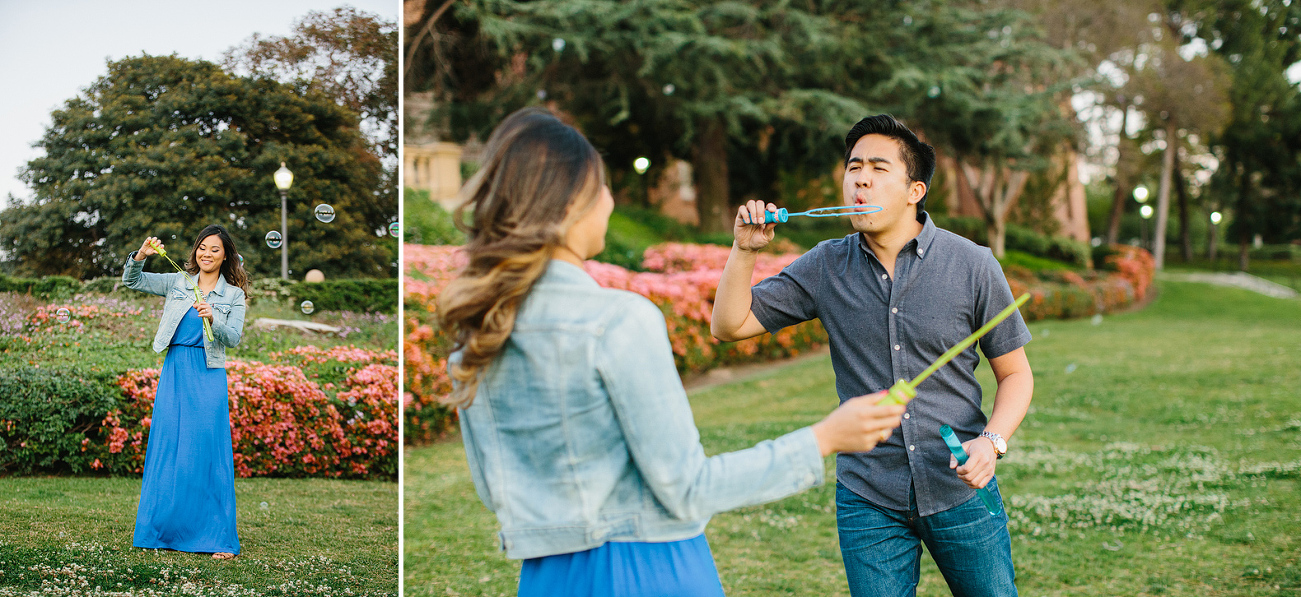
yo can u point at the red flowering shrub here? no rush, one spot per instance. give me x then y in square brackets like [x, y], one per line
[1068, 294]
[282, 423]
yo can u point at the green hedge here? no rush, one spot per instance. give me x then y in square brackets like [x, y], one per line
[1020, 239]
[46, 415]
[49, 287]
[360, 295]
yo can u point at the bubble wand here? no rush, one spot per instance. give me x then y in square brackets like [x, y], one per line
[903, 391]
[781, 215]
[207, 325]
[955, 447]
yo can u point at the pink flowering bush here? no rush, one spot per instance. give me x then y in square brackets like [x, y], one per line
[682, 283]
[314, 412]
[425, 346]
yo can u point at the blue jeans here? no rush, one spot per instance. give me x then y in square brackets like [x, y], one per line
[882, 547]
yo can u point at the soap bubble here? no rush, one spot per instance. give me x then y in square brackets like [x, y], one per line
[63, 315]
[264, 506]
[669, 89]
[325, 213]
[393, 229]
[307, 307]
[1044, 334]
[934, 91]
[542, 94]
[241, 260]
[557, 44]
[1097, 319]
[1070, 368]
[273, 239]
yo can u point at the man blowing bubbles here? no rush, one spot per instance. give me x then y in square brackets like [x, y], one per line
[893, 297]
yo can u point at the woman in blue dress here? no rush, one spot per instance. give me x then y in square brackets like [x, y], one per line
[576, 428]
[187, 498]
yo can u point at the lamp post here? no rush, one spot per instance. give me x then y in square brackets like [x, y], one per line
[284, 179]
[641, 165]
[1146, 212]
[1216, 217]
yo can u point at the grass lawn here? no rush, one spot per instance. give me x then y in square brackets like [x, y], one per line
[1161, 456]
[70, 536]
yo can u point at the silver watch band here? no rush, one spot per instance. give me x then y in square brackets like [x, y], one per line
[1000, 445]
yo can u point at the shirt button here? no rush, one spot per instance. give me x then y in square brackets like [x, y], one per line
[907, 416]
[885, 276]
[894, 310]
[920, 251]
[912, 448]
[896, 347]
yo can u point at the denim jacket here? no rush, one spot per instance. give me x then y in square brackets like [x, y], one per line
[581, 433]
[227, 308]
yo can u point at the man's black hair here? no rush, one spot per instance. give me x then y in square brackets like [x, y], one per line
[918, 157]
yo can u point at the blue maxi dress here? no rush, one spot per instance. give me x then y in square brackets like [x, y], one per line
[187, 499]
[635, 569]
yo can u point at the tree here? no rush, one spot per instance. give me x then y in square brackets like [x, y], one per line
[351, 56]
[1261, 144]
[686, 80]
[1179, 95]
[162, 145]
[980, 83]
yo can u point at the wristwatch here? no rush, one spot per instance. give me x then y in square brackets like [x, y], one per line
[1000, 445]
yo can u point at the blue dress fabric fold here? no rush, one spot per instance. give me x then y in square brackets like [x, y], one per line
[187, 499]
[633, 569]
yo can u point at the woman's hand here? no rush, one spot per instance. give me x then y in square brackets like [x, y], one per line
[204, 309]
[857, 425]
[147, 249]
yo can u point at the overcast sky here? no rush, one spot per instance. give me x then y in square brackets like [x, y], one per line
[52, 49]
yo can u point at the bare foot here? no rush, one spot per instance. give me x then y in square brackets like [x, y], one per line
[223, 556]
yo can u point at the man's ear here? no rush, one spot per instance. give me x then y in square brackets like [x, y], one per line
[916, 191]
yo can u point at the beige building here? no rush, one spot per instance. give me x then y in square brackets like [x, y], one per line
[434, 167]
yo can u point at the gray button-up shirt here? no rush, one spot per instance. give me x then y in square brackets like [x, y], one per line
[884, 329]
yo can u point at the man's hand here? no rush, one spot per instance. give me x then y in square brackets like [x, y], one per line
[750, 232]
[979, 468]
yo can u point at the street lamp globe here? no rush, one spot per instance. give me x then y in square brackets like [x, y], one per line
[1140, 194]
[284, 178]
[1145, 211]
[1216, 217]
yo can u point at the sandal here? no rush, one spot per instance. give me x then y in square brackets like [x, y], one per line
[223, 556]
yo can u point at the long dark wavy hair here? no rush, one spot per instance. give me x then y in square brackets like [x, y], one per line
[231, 268]
[537, 177]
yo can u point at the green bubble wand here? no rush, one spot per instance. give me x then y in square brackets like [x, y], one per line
[207, 325]
[903, 391]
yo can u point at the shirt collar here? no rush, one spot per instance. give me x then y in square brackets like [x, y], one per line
[921, 244]
[568, 273]
[220, 288]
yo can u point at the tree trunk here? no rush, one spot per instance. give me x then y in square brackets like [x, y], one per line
[1163, 196]
[1122, 189]
[1185, 235]
[710, 162]
[1243, 246]
[997, 188]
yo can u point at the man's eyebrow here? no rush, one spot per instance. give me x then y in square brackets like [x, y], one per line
[872, 160]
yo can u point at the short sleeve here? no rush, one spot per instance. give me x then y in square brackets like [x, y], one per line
[790, 297]
[992, 296]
